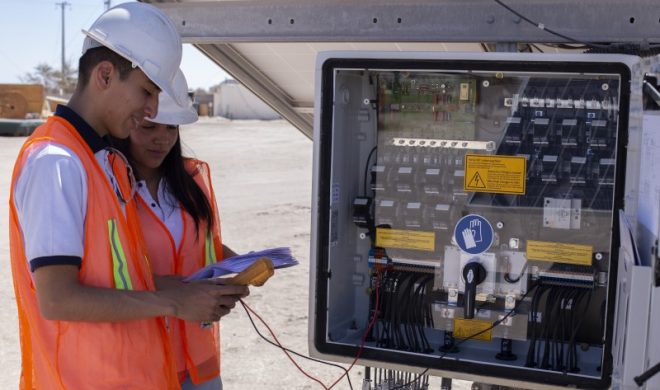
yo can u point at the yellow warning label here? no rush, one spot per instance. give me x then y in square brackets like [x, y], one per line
[464, 93]
[496, 174]
[473, 329]
[559, 253]
[405, 239]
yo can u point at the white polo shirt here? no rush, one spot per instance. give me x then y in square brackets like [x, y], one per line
[51, 197]
[166, 207]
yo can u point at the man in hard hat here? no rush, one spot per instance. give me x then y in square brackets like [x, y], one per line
[89, 313]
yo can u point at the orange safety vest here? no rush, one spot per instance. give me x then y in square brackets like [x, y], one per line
[91, 355]
[196, 349]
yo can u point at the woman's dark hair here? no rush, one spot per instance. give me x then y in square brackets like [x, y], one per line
[180, 182]
[185, 189]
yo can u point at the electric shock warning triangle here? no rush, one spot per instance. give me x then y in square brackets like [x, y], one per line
[476, 182]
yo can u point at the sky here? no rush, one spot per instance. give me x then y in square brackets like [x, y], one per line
[31, 33]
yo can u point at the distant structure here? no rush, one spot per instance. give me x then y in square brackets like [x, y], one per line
[22, 101]
[203, 102]
[23, 108]
[234, 101]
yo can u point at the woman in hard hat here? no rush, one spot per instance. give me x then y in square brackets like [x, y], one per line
[178, 215]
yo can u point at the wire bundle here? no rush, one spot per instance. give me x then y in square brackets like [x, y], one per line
[553, 344]
[405, 312]
[393, 379]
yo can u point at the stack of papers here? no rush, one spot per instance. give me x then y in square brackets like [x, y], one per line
[281, 258]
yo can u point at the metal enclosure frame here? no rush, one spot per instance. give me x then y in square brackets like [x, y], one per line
[321, 198]
[213, 26]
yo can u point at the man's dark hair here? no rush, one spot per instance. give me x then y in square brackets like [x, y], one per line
[93, 57]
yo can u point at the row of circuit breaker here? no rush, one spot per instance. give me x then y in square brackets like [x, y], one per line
[544, 132]
[569, 142]
[415, 187]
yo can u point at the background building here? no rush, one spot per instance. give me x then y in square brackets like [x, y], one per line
[234, 101]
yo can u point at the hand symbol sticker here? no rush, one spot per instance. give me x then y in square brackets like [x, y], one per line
[475, 226]
[473, 234]
[468, 238]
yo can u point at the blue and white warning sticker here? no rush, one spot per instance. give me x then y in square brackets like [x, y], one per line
[473, 234]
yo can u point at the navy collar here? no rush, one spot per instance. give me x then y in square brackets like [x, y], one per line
[91, 137]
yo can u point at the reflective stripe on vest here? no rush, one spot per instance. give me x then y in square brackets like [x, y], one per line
[209, 250]
[122, 278]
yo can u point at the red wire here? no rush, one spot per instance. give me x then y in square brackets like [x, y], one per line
[283, 350]
[360, 349]
[364, 336]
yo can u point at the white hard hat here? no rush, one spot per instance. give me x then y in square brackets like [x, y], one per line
[144, 35]
[172, 113]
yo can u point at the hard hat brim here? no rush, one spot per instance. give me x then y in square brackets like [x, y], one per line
[164, 85]
[181, 117]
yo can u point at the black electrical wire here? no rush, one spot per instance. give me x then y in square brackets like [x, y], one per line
[542, 27]
[509, 279]
[549, 355]
[406, 320]
[405, 312]
[493, 325]
[292, 351]
[567, 323]
[384, 339]
[405, 317]
[559, 337]
[545, 329]
[556, 342]
[549, 351]
[398, 313]
[566, 329]
[401, 310]
[401, 386]
[387, 338]
[422, 320]
[571, 351]
[418, 320]
[577, 328]
[552, 344]
[646, 375]
[567, 46]
[535, 334]
[532, 318]
[366, 169]
[417, 315]
[540, 352]
[390, 317]
[406, 341]
[536, 47]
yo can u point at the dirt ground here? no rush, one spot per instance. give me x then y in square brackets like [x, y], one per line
[262, 174]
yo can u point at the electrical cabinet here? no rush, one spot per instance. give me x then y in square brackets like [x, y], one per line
[465, 211]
